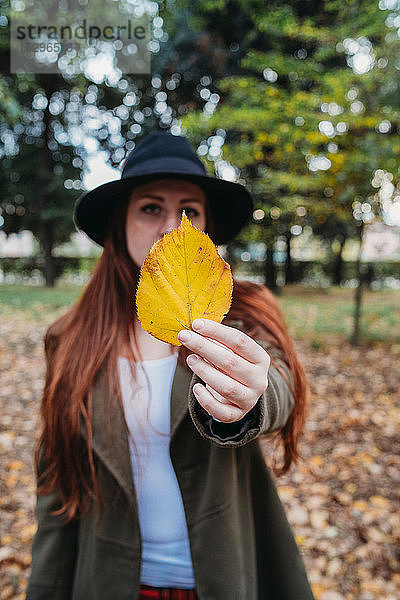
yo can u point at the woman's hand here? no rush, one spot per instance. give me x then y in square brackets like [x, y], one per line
[233, 366]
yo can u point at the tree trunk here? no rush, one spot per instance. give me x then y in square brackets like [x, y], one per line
[269, 267]
[47, 243]
[229, 257]
[338, 269]
[45, 174]
[355, 337]
[289, 275]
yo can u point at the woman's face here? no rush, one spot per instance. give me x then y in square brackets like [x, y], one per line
[156, 208]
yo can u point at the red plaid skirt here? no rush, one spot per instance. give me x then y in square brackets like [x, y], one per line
[147, 592]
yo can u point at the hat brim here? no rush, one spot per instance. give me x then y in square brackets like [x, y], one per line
[230, 203]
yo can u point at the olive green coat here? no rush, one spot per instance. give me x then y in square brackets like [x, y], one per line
[241, 544]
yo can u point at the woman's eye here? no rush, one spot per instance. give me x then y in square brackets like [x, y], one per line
[155, 209]
[190, 212]
[150, 209]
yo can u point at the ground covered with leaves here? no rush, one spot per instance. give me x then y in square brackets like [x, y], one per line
[342, 500]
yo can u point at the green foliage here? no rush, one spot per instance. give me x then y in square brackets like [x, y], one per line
[46, 120]
[273, 67]
[294, 74]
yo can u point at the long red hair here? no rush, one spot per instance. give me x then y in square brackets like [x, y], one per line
[91, 335]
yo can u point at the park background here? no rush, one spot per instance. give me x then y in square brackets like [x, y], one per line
[299, 101]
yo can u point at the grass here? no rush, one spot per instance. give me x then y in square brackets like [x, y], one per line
[33, 302]
[319, 316]
[322, 315]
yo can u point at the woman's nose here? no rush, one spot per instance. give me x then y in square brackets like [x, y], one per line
[171, 222]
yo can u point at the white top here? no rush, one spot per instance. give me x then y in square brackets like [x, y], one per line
[166, 559]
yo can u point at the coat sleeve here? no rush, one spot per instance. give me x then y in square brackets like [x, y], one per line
[53, 554]
[269, 414]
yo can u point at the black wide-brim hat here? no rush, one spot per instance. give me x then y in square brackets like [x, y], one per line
[161, 154]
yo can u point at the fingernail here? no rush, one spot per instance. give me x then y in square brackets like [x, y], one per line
[198, 324]
[184, 336]
[192, 358]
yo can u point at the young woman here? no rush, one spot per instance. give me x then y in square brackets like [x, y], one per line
[152, 483]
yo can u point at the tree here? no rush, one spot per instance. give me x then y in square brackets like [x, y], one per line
[303, 117]
[40, 167]
[49, 118]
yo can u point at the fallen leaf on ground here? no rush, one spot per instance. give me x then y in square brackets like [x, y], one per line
[350, 549]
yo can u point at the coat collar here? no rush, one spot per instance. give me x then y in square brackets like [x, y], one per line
[110, 440]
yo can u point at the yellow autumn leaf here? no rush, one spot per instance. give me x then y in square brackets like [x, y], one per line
[317, 461]
[182, 278]
[27, 532]
[15, 465]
